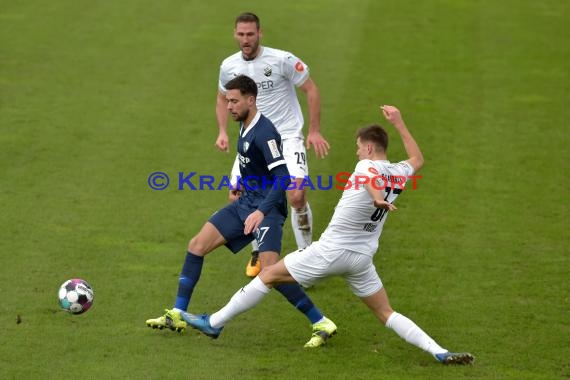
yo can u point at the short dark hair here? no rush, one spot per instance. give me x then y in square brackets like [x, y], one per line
[374, 134]
[244, 84]
[248, 17]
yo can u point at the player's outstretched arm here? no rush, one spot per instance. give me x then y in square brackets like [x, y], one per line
[415, 156]
[222, 142]
[314, 136]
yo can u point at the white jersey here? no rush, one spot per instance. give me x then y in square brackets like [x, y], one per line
[356, 224]
[276, 73]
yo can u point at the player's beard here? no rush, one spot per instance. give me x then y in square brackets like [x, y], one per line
[241, 117]
[253, 49]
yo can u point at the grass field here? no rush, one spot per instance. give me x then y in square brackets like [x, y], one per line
[96, 95]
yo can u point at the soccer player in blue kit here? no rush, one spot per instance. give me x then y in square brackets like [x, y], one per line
[259, 213]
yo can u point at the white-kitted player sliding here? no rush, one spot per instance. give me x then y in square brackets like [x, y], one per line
[348, 245]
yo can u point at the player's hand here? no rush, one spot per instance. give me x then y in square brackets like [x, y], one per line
[234, 195]
[318, 141]
[223, 142]
[253, 221]
[392, 114]
[384, 205]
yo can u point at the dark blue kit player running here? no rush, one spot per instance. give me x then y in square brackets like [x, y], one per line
[259, 213]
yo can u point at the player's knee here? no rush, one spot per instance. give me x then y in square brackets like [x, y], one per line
[267, 276]
[266, 259]
[197, 246]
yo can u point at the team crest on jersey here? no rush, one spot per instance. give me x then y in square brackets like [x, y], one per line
[299, 66]
[267, 71]
[373, 170]
[245, 147]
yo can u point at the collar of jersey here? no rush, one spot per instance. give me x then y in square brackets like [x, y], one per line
[255, 119]
[371, 160]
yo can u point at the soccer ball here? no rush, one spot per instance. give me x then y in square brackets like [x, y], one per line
[75, 296]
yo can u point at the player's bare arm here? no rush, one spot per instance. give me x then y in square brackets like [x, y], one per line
[222, 142]
[314, 136]
[415, 156]
[378, 198]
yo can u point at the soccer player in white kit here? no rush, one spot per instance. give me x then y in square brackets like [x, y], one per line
[277, 74]
[348, 245]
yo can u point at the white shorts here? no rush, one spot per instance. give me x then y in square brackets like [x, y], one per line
[308, 266]
[295, 156]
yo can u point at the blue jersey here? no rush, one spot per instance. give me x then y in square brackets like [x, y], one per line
[259, 151]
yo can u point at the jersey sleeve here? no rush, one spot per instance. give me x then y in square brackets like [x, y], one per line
[224, 78]
[390, 174]
[294, 69]
[270, 145]
[235, 174]
[404, 168]
[275, 195]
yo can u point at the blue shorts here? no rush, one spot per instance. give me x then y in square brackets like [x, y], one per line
[230, 222]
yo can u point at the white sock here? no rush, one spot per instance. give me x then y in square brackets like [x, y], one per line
[302, 217]
[244, 299]
[254, 245]
[413, 334]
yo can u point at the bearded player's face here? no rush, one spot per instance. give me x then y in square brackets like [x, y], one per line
[247, 36]
[238, 104]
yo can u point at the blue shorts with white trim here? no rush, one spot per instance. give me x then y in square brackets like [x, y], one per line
[230, 222]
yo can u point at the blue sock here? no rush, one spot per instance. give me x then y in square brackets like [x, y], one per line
[298, 298]
[188, 278]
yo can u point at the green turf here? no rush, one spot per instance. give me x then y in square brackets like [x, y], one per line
[97, 95]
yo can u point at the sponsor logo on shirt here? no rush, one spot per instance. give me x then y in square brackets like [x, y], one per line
[373, 170]
[274, 148]
[243, 160]
[265, 85]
